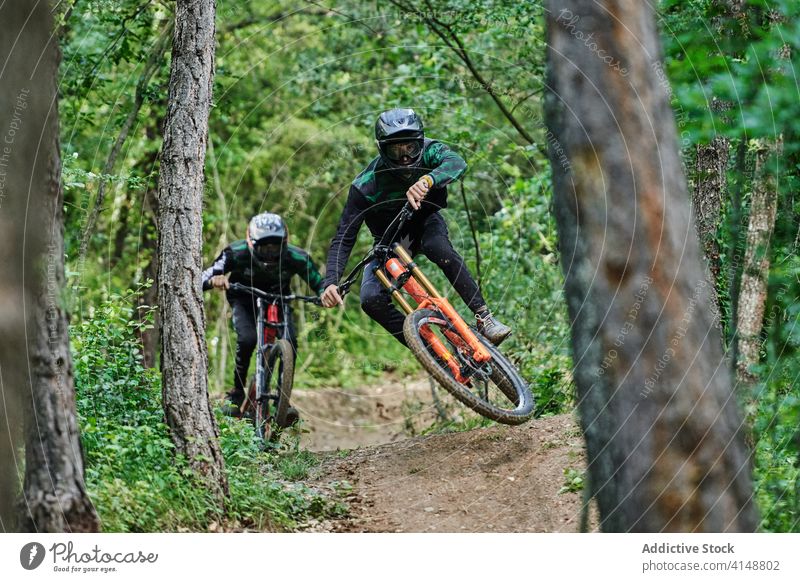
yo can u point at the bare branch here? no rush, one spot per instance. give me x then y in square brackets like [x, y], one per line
[150, 67]
[451, 39]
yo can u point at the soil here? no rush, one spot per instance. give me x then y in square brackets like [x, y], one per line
[495, 479]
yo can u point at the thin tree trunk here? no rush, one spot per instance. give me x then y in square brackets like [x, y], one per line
[54, 493]
[150, 338]
[710, 189]
[753, 289]
[147, 167]
[711, 174]
[121, 233]
[734, 267]
[184, 361]
[223, 203]
[221, 331]
[656, 401]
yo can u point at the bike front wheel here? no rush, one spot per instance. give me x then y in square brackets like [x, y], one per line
[494, 389]
[278, 379]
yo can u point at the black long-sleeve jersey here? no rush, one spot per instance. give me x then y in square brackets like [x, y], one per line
[379, 192]
[237, 260]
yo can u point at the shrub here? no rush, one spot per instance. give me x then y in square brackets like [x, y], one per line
[133, 475]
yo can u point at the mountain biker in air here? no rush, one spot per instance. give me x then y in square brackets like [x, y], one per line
[409, 167]
[264, 260]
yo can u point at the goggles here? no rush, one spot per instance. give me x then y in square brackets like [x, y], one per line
[396, 151]
[268, 251]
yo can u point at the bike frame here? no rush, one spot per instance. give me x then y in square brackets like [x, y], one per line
[401, 272]
[271, 325]
[268, 330]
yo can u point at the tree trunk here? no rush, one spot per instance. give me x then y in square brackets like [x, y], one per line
[150, 338]
[15, 167]
[709, 191]
[753, 289]
[184, 361]
[121, 233]
[55, 498]
[711, 169]
[656, 401]
[734, 265]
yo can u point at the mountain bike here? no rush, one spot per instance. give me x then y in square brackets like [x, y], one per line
[455, 354]
[267, 398]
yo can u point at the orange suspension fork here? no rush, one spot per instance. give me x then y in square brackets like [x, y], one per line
[419, 295]
[422, 297]
[432, 296]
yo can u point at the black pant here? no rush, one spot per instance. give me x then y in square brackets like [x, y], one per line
[244, 322]
[432, 240]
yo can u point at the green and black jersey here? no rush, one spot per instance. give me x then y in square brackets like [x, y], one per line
[237, 260]
[379, 192]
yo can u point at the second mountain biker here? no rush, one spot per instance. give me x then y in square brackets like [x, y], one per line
[267, 261]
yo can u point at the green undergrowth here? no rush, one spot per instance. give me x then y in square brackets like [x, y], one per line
[134, 477]
[772, 405]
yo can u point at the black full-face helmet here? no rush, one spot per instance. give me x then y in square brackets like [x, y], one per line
[267, 237]
[400, 138]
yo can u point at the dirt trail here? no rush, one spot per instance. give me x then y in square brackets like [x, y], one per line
[496, 479]
[348, 419]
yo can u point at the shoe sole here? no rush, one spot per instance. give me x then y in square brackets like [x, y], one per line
[292, 417]
[497, 341]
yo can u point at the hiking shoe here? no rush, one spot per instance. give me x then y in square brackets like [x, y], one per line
[292, 417]
[233, 405]
[491, 328]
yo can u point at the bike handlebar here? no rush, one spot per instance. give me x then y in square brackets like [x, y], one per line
[405, 213]
[274, 296]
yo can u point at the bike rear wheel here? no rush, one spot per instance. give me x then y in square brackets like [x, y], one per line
[495, 389]
[278, 378]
